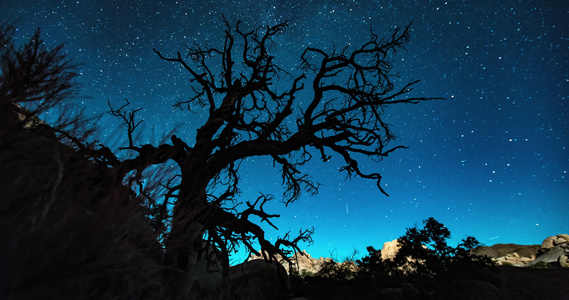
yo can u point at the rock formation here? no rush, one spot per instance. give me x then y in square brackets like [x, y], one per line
[390, 249]
[72, 227]
[510, 254]
[554, 249]
[555, 240]
[301, 262]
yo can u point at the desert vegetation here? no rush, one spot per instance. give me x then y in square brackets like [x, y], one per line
[425, 267]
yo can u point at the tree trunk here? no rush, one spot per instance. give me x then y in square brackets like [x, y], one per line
[184, 241]
[180, 260]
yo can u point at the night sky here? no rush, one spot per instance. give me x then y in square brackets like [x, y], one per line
[490, 161]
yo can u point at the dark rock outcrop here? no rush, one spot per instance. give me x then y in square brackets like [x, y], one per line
[466, 289]
[510, 254]
[70, 230]
[252, 280]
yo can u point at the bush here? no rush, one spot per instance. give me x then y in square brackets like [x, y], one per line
[426, 262]
[304, 273]
[545, 265]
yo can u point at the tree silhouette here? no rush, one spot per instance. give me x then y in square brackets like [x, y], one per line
[425, 259]
[247, 116]
[333, 107]
[425, 267]
[429, 249]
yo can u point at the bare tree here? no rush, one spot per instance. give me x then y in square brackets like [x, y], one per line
[248, 117]
[33, 73]
[34, 79]
[239, 85]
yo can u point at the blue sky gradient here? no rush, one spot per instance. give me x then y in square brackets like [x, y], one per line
[490, 161]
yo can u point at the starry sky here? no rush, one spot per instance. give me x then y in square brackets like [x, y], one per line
[490, 161]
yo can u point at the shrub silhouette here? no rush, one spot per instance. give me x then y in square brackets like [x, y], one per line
[423, 268]
[427, 263]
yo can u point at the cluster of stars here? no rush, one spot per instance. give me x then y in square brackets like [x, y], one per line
[498, 140]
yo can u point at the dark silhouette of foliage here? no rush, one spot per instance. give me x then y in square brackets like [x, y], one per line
[33, 73]
[428, 263]
[423, 268]
[373, 268]
[34, 79]
[338, 271]
[70, 228]
[429, 252]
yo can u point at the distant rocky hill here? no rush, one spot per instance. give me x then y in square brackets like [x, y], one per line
[302, 261]
[553, 250]
[525, 272]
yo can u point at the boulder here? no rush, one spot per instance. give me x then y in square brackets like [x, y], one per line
[554, 240]
[509, 254]
[74, 231]
[259, 280]
[551, 256]
[390, 249]
[561, 239]
[547, 243]
[564, 261]
[466, 289]
[554, 249]
[254, 279]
